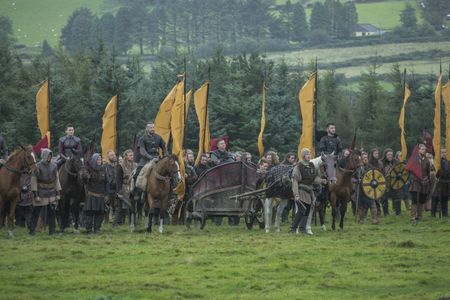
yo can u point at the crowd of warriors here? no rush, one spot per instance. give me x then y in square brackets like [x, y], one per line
[109, 180]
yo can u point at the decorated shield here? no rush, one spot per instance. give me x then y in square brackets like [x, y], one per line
[398, 176]
[373, 184]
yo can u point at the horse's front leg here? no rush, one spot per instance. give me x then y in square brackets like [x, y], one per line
[76, 215]
[64, 210]
[268, 205]
[343, 210]
[12, 213]
[333, 210]
[280, 209]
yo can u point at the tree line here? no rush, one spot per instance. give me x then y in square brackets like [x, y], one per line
[81, 84]
[199, 26]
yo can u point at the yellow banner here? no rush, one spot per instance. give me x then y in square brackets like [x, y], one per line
[401, 122]
[263, 122]
[177, 130]
[201, 108]
[109, 135]
[162, 120]
[42, 111]
[446, 98]
[437, 124]
[306, 99]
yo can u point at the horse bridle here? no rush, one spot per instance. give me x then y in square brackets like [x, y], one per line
[20, 172]
[75, 174]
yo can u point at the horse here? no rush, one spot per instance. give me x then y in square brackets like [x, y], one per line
[21, 161]
[71, 174]
[158, 188]
[340, 192]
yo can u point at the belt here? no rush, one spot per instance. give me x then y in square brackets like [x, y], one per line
[46, 185]
[95, 194]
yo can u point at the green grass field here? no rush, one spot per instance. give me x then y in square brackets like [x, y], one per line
[389, 261]
[36, 20]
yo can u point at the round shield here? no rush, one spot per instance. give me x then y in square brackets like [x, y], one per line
[398, 176]
[373, 184]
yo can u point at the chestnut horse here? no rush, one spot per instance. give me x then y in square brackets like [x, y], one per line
[71, 173]
[340, 192]
[21, 161]
[158, 188]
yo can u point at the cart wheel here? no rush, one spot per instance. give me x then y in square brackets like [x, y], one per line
[259, 213]
[256, 213]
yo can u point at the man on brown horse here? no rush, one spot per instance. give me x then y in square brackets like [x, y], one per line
[147, 149]
[330, 143]
[46, 189]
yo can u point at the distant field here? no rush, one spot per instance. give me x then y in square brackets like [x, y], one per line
[393, 260]
[336, 55]
[36, 20]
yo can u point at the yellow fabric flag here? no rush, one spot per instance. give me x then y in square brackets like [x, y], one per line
[306, 99]
[437, 124]
[162, 120]
[201, 108]
[177, 130]
[401, 122]
[109, 135]
[188, 104]
[42, 111]
[446, 97]
[263, 122]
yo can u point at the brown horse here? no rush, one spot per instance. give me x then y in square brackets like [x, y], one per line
[158, 188]
[20, 162]
[340, 192]
[71, 173]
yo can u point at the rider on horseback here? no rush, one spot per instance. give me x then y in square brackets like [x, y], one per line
[68, 145]
[330, 143]
[148, 149]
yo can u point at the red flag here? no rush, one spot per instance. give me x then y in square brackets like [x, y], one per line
[413, 164]
[214, 142]
[43, 143]
[428, 141]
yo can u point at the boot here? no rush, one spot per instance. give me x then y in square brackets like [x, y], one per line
[362, 215]
[413, 213]
[385, 205]
[89, 222]
[420, 212]
[397, 204]
[98, 219]
[434, 204]
[374, 214]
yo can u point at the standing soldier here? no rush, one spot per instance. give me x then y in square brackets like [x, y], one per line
[442, 191]
[420, 187]
[69, 144]
[111, 170]
[388, 162]
[97, 187]
[3, 150]
[365, 203]
[46, 189]
[148, 149]
[124, 177]
[331, 142]
[303, 177]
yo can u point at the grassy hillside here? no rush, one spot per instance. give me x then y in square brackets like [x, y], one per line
[34, 21]
[390, 261]
[353, 61]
